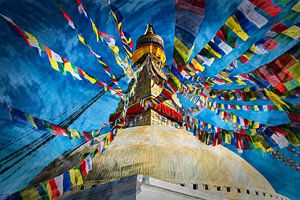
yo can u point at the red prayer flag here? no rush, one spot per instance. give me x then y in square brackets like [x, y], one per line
[267, 6]
[278, 27]
[83, 168]
[270, 44]
[87, 136]
[54, 189]
[221, 35]
[58, 130]
[244, 59]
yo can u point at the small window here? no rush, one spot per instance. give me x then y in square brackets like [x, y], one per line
[248, 191]
[264, 193]
[82, 187]
[239, 190]
[206, 187]
[271, 195]
[256, 193]
[218, 188]
[181, 184]
[228, 189]
[195, 186]
[94, 186]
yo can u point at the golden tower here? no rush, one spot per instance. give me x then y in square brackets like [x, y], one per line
[150, 59]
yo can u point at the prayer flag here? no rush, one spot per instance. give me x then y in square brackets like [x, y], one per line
[293, 32]
[33, 42]
[247, 8]
[68, 18]
[267, 6]
[18, 116]
[15, 27]
[296, 7]
[53, 63]
[233, 24]
[58, 130]
[54, 189]
[67, 184]
[86, 76]
[59, 184]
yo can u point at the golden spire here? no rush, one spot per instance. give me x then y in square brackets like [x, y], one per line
[149, 30]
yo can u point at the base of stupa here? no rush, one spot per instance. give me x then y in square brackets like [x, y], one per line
[139, 187]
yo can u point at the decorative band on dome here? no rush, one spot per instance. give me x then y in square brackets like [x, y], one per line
[153, 39]
[149, 49]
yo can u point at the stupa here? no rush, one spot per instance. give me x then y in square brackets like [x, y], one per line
[155, 144]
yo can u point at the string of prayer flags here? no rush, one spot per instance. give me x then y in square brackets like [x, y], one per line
[287, 161]
[125, 37]
[24, 118]
[84, 42]
[188, 18]
[57, 186]
[109, 41]
[62, 65]
[16, 28]
[242, 23]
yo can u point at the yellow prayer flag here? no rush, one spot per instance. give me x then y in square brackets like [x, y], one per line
[30, 193]
[276, 100]
[68, 67]
[81, 39]
[89, 78]
[233, 24]
[209, 126]
[49, 191]
[115, 49]
[31, 120]
[255, 125]
[293, 32]
[292, 137]
[222, 106]
[237, 107]
[228, 80]
[256, 107]
[234, 118]
[197, 65]
[75, 133]
[54, 64]
[227, 138]
[31, 37]
[78, 177]
[119, 25]
[253, 48]
[95, 30]
[182, 49]
[296, 7]
[247, 89]
[208, 48]
[240, 82]
[209, 103]
[73, 176]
